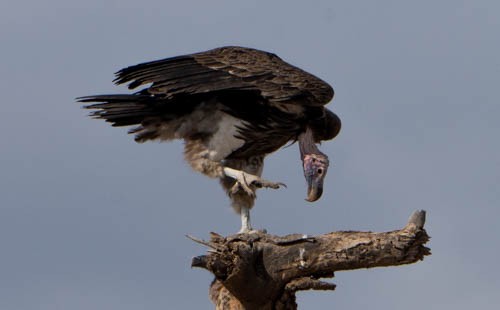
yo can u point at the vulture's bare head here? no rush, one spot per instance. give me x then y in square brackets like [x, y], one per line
[315, 168]
[314, 162]
[315, 165]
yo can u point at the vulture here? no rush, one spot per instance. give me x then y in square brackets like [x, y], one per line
[232, 106]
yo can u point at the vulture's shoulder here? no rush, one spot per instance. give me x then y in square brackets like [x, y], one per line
[229, 68]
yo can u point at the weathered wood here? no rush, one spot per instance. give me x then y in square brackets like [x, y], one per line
[262, 271]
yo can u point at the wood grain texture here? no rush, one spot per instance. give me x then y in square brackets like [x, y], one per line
[262, 271]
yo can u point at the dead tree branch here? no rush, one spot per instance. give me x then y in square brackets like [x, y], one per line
[261, 271]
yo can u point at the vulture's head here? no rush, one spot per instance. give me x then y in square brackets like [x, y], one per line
[315, 165]
[315, 168]
[314, 162]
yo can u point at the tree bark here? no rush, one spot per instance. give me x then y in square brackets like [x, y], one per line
[262, 271]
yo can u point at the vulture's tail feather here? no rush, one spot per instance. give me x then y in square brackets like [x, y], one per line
[154, 116]
[122, 110]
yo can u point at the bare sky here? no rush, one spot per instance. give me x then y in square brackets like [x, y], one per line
[91, 220]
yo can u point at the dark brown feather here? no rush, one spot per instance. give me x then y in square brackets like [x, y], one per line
[275, 100]
[229, 68]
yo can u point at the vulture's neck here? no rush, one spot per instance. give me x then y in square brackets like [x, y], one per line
[307, 145]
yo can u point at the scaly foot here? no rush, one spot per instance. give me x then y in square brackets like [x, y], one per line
[248, 231]
[249, 182]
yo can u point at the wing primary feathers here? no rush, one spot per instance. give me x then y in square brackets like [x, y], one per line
[150, 71]
[229, 68]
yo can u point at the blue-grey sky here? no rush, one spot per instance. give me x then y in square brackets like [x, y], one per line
[91, 220]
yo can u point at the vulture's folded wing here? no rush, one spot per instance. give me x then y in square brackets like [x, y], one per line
[229, 68]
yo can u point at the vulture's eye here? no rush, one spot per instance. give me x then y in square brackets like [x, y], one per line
[320, 171]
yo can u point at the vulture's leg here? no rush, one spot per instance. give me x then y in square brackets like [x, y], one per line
[241, 203]
[241, 180]
[249, 182]
[246, 227]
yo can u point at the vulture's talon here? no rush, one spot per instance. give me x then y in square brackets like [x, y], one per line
[249, 182]
[263, 183]
[238, 187]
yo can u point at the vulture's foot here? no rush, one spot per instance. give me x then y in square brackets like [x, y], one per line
[249, 182]
[246, 227]
[249, 231]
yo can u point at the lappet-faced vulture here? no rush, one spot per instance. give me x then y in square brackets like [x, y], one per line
[232, 106]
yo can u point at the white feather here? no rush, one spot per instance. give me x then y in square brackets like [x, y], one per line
[208, 120]
[223, 141]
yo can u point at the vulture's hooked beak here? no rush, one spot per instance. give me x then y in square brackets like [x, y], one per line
[314, 189]
[315, 167]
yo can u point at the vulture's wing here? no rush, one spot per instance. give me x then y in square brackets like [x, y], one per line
[229, 68]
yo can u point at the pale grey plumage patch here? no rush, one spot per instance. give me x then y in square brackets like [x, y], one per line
[217, 130]
[224, 140]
